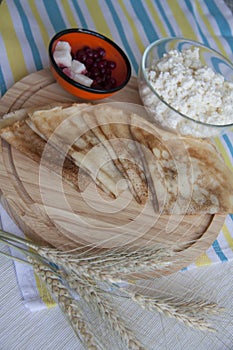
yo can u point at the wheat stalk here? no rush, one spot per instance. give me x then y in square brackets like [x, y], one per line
[101, 267]
[107, 264]
[111, 265]
[89, 291]
[67, 303]
[191, 313]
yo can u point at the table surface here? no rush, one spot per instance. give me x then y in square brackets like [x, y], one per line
[26, 26]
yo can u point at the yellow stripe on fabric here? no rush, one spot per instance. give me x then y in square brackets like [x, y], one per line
[157, 19]
[227, 236]
[69, 13]
[98, 18]
[203, 260]
[40, 22]
[12, 44]
[223, 151]
[136, 35]
[180, 17]
[44, 293]
[209, 27]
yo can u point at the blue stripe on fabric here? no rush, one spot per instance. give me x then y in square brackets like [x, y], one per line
[231, 216]
[2, 83]
[145, 20]
[163, 14]
[184, 269]
[222, 23]
[120, 28]
[218, 251]
[83, 23]
[217, 64]
[190, 7]
[29, 36]
[54, 15]
[228, 143]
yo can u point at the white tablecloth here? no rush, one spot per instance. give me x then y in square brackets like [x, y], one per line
[26, 26]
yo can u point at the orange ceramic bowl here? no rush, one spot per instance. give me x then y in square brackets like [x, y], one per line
[78, 38]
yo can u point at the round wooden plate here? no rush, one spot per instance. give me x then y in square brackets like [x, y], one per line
[51, 212]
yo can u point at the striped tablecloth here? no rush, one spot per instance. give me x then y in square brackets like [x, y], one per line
[26, 28]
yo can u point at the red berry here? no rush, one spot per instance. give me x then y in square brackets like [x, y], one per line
[89, 52]
[103, 71]
[81, 56]
[113, 81]
[89, 62]
[98, 79]
[108, 72]
[95, 54]
[102, 64]
[96, 86]
[98, 68]
[94, 71]
[101, 52]
[111, 64]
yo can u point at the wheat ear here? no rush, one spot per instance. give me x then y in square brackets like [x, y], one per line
[90, 292]
[110, 265]
[113, 261]
[191, 313]
[67, 304]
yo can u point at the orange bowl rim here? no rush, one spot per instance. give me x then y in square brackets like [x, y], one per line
[76, 84]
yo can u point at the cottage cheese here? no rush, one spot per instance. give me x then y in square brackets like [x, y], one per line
[181, 80]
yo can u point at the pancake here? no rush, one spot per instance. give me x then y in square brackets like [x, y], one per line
[188, 174]
[24, 139]
[180, 175]
[67, 131]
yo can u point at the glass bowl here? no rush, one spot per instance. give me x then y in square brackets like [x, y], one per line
[170, 115]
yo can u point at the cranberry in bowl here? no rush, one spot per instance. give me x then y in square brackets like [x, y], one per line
[88, 64]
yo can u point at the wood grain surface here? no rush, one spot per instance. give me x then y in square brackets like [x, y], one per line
[51, 212]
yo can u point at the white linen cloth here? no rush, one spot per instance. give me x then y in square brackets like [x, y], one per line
[26, 26]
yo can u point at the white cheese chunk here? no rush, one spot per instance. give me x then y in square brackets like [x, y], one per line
[62, 58]
[78, 67]
[63, 45]
[191, 88]
[82, 79]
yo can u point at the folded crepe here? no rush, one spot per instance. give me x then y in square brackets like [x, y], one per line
[24, 139]
[180, 175]
[66, 130]
[189, 175]
[112, 128]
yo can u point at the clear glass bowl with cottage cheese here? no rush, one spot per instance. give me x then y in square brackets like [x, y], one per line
[187, 87]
